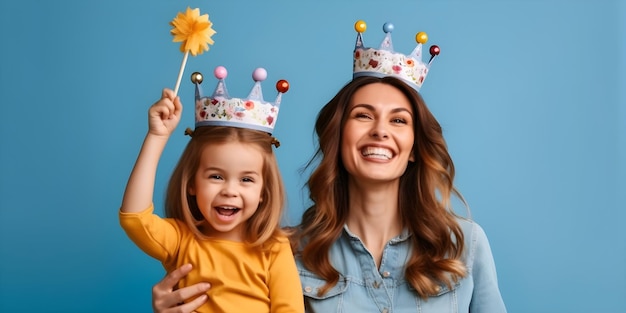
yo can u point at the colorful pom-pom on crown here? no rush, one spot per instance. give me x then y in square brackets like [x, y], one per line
[384, 61]
[251, 112]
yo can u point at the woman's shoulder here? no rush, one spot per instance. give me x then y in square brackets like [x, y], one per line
[471, 229]
[476, 243]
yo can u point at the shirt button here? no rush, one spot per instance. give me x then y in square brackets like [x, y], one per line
[385, 310]
[308, 289]
[386, 274]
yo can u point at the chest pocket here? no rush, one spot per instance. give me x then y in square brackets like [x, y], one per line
[311, 285]
[445, 300]
[442, 290]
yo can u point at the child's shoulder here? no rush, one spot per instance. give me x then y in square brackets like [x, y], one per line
[277, 242]
[279, 239]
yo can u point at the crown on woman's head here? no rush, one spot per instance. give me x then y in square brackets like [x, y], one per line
[384, 61]
[251, 112]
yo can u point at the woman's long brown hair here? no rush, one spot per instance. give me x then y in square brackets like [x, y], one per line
[424, 198]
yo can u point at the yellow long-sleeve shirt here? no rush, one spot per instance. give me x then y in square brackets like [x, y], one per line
[242, 279]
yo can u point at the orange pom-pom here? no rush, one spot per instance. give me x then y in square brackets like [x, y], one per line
[360, 26]
[421, 37]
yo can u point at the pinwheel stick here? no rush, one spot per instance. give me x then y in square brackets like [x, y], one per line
[180, 72]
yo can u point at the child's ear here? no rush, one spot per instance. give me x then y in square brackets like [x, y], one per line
[191, 190]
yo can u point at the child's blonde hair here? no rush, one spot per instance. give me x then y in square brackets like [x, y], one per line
[179, 204]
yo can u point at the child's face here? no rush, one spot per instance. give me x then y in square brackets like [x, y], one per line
[228, 186]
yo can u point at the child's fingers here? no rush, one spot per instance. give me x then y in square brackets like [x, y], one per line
[178, 106]
[172, 102]
[167, 94]
[162, 109]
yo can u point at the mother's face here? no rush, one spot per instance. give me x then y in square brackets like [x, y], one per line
[377, 138]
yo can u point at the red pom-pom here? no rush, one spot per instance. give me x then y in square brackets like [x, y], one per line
[282, 86]
[434, 50]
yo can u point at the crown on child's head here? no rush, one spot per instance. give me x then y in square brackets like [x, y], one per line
[384, 61]
[252, 112]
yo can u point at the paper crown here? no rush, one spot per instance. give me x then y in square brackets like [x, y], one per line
[384, 61]
[252, 112]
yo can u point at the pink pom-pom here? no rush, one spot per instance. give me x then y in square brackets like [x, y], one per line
[220, 72]
[259, 74]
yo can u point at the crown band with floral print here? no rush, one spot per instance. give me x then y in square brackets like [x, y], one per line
[251, 112]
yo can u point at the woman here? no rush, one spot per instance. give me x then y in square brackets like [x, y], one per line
[381, 235]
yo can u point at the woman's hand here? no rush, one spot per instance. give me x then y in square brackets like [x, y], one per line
[167, 300]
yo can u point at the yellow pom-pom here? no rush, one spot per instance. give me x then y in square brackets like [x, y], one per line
[421, 37]
[193, 30]
[360, 26]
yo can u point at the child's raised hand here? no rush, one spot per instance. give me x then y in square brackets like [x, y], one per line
[164, 115]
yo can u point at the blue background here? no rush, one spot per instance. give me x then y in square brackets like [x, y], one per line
[531, 95]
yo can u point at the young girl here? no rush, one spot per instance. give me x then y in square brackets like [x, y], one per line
[224, 203]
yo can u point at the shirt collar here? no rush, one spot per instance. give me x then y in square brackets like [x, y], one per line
[404, 235]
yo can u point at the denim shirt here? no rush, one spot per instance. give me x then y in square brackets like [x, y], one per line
[364, 288]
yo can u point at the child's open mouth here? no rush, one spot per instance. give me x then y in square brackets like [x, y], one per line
[226, 211]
